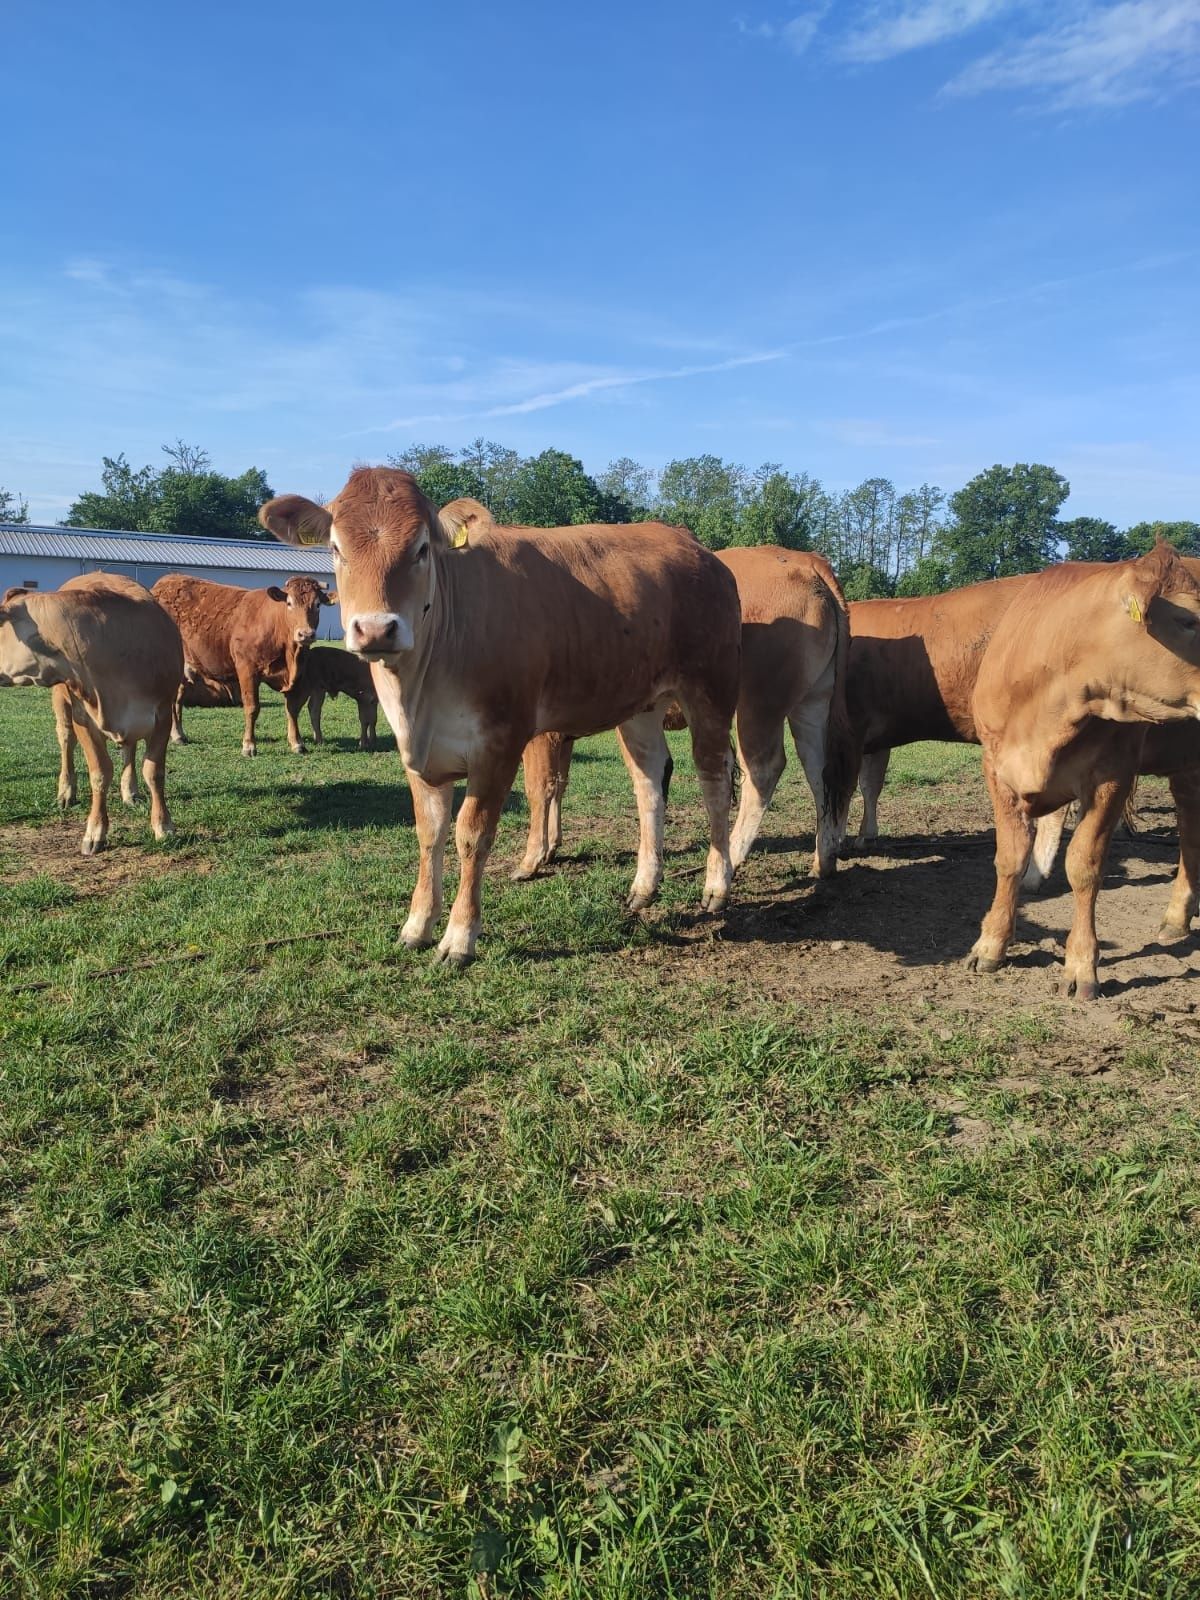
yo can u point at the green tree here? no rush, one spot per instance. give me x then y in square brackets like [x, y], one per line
[1185, 536]
[12, 507]
[863, 581]
[1003, 522]
[926, 576]
[705, 494]
[552, 490]
[1092, 539]
[185, 497]
[628, 483]
[778, 508]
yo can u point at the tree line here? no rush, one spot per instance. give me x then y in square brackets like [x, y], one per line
[881, 541]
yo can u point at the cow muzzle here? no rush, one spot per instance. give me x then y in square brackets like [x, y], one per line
[304, 635]
[378, 633]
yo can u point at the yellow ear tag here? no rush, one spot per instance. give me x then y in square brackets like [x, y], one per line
[459, 541]
[1134, 610]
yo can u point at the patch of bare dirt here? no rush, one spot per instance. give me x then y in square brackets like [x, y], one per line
[888, 937]
[53, 851]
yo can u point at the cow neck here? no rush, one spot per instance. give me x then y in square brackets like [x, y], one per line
[408, 692]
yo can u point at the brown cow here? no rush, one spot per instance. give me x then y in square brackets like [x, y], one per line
[114, 660]
[795, 640]
[238, 638]
[479, 639]
[1083, 658]
[325, 672]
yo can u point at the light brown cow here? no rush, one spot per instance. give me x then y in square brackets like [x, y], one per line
[795, 641]
[1083, 658]
[481, 639]
[237, 639]
[114, 660]
[912, 674]
[326, 673]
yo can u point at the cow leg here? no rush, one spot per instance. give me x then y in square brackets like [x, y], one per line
[433, 806]
[644, 747]
[1085, 872]
[100, 773]
[292, 705]
[1046, 840]
[871, 776]
[713, 756]
[154, 768]
[366, 725]
[65, 730]
[316, 704]
[762, 760]
[1014, 841]
[547, 763]
[478, 819]
[177, 734]
[809, 727]
[248, 684]
[129, 788]
[1185, 791]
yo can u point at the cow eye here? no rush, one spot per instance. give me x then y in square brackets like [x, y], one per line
[421, 553]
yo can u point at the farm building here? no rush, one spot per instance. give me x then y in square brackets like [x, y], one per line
[44, 558]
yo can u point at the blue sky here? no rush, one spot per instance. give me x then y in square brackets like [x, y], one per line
[898, 237]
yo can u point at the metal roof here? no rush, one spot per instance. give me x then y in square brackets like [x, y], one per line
[162, 549]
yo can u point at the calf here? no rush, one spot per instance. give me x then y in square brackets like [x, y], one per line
[1082, 660]
[327, 672]
[236, 639]
[114, 661]
[480, 638]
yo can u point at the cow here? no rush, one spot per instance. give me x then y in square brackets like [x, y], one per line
[236, 639]
[480, 638]
[1084, 657]
[795, 644]
[114, 661]
[325, 673]
[912, 674]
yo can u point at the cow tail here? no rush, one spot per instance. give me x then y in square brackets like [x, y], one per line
[1130, 814]
[841, 763]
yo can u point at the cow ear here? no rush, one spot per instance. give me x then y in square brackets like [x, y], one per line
[13, 594]
[329, 597]
[464, 520]
[276, 593]
[1158, 572]
[295, 520]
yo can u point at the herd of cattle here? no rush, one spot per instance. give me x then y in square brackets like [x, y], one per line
[486, 645]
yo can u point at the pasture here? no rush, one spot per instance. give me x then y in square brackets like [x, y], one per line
[770, 1255]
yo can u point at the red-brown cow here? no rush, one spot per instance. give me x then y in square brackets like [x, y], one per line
[480, 638]
[324, 674]
[236, 639]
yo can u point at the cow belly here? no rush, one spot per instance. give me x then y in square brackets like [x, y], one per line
[132, 718]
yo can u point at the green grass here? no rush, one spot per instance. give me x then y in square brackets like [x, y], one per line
[585, 1273]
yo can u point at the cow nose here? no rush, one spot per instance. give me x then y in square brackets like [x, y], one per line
[378, 633]
[304, 635]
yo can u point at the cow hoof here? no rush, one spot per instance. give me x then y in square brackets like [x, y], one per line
[1172, 932]
[180, 738]
[977, 963]
[639, 902]
[417, 941]
[1077, 989]
[249, 749]
[65, 801]
[713, 904]
[299, 750]
[455, 960]
[524, 872]
[91, 847]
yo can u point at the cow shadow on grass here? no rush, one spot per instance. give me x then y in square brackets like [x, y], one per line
[347, 805]
[926, 910]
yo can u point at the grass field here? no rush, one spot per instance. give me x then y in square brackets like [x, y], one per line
[596, 1271]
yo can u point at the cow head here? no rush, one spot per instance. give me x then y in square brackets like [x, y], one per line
[304, 598]
[1161, 597]
[25, 657]
[387, 543]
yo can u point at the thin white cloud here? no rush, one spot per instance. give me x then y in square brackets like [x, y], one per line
[916, 26]
[796, 34]
[866, 433]
[1135, 50]
[579, 391]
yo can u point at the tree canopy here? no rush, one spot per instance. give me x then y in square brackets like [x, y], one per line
[186, 496]
[12, 507]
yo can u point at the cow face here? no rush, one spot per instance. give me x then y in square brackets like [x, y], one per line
[1162, 597]
[387, 542]
[304, 598]
[25, 657]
